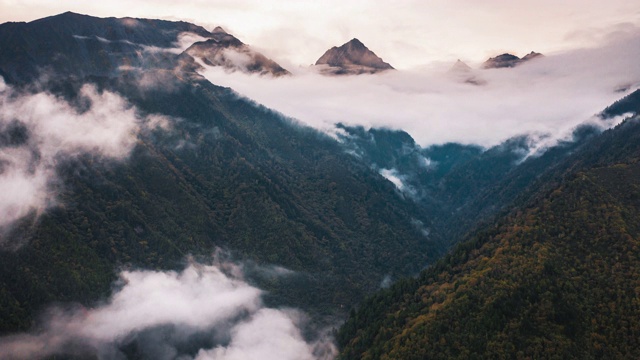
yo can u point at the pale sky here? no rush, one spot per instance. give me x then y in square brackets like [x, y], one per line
[406, 33]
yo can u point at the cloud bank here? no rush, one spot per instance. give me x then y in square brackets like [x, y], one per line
[38, 131]
[547, 96]
[202, 312]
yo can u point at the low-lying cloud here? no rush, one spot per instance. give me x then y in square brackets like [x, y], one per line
[183, 41]
[549, 95]
[202, 312]
[38, 131]
[400, 182]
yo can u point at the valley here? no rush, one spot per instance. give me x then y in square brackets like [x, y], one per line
[141, 192]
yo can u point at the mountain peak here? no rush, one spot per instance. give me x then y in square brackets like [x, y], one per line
[355, 42]
[501, 61]
[70, 13]
[225, 50]
[462, 72]
[352, 58]
[460, 67]
[67, 15]
[507, 60]
[532, 55]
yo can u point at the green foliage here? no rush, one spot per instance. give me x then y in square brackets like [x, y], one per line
[558, 277]
[235, 175]
[229, 174]
[628, 104]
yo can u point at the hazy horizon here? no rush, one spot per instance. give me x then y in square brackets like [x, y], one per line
[407, 35]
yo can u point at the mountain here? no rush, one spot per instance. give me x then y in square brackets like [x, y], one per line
[81, 45]
[530, 56]
[554, 276]
[628, 105]
[227, 51]
[508, 60]
[462, 72]
[345, 216]
[460, 186]
[460, 67]
[352, 58]
[226, 173]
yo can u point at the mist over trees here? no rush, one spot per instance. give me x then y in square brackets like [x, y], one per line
[149, 210]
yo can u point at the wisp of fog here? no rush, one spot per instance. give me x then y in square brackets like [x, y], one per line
[38, 131]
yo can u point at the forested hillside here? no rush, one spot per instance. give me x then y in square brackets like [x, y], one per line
[547, 265]
[460, 186]
[225, 173]
[555, 278]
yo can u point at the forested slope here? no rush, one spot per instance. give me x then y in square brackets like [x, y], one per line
[556, 278]
[226, 173]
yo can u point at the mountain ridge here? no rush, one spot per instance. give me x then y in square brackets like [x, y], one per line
[345, 216]
[83, 45]
[228, 173]
[507, 60]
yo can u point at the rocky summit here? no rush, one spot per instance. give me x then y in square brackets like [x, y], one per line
[507, 60]
[224, 49]
[352, 58]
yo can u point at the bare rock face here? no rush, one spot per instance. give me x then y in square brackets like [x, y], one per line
[352, 58]
[508, 60]
[224, 49]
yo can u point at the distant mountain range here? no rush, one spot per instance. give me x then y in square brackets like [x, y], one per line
[462, 72]
[123, 41]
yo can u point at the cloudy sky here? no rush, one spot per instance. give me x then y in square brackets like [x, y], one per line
[405, 33]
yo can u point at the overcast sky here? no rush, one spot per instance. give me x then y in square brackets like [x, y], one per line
[404, 33]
